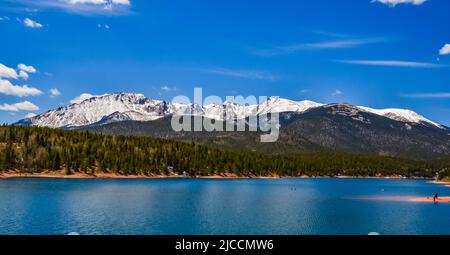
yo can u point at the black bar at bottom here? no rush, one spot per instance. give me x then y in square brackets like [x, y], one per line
[233, 245]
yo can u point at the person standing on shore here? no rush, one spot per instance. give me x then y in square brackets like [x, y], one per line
[435, 198]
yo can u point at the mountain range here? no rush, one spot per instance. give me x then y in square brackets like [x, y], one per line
[306, 126]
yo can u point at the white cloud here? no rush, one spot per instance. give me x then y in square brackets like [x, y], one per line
[82, 7]
[445, 50]
[54, 92]
[7, 88]
[81, 98]
[395, 2]
[25, 68]
[22, 106]
[10, 73]
[124, 2]
[31, 23]
[24, 75]
[246, 74]
[394, 63]
[30, 115]
[100, 2]
[7, 72]
[86, 1]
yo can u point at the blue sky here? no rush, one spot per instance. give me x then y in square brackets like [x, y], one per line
[381, 54]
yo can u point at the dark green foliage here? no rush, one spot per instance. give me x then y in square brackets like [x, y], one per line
[31, 149]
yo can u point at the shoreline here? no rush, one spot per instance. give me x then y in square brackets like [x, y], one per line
[81, 176]
[63, 175]
[111, 176]
[446, 183]
[429, 200]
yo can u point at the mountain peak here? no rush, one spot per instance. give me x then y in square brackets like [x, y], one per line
[96, 108]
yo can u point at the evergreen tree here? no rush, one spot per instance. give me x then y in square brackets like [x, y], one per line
[56, 161]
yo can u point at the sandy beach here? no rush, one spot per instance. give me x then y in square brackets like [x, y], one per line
[63, 175]
[429, 200]
[406, 199]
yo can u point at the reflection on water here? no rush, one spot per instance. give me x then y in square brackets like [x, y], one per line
[279, 206]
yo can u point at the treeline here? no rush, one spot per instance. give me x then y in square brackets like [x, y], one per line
[34, 150]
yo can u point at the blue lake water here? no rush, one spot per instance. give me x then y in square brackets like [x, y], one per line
[188, 206]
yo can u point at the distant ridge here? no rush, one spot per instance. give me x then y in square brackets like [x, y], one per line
[116, 107]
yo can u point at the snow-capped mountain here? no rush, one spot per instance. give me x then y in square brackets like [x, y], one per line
[119, 107]
[104, 109]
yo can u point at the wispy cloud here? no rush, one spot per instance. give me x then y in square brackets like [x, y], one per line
[323, 45]
[392, 63]
[337, 93]
[83, 7]
[245, 74]
[332, 44]
[22, 106]
[427, 95]
[393, 3]
[168, 89]
[332, 34]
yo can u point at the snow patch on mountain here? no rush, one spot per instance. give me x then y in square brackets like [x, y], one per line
[402, 115]
[285, 105]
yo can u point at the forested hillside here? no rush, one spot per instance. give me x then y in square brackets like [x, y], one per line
[334, 128]
[31, 149]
